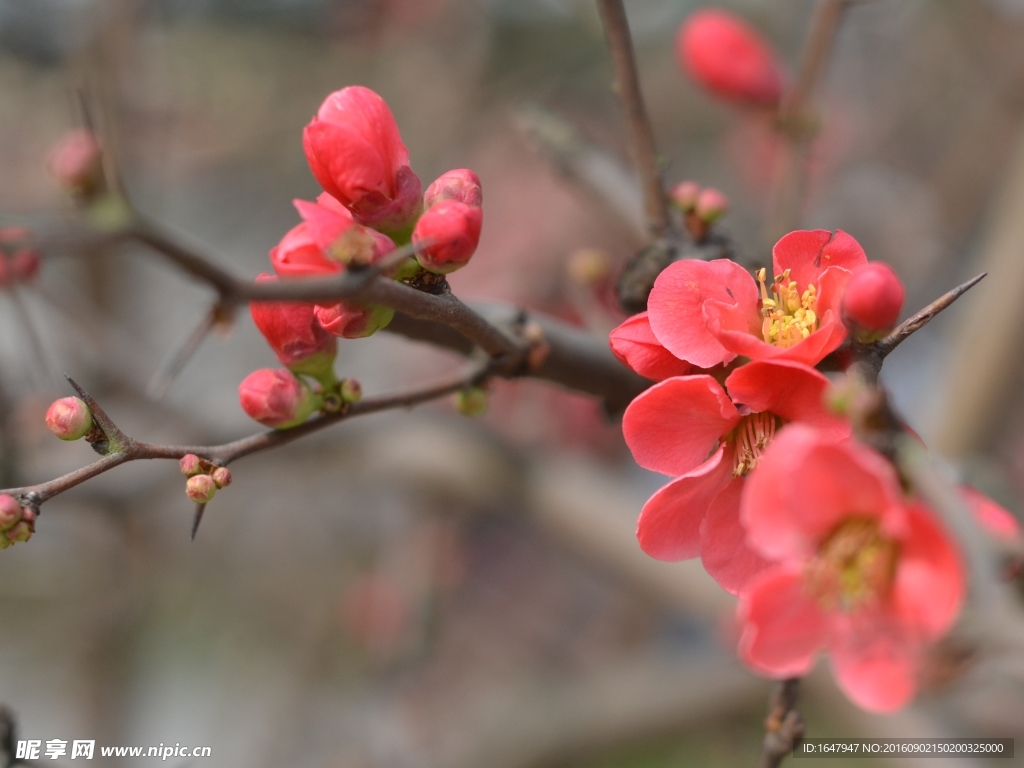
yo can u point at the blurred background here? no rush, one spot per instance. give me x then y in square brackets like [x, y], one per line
[417, 589]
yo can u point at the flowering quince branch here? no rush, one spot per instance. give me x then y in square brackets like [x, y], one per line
[783, 726]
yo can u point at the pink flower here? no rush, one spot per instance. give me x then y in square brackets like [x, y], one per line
[728, 58]
[461, 184]
[76, 162]
[996, 520]
[710, 312]
[858, 570]
[688, 427]
[636, 346]
[276, 398]
[292, 331]
[356, 153]
[446, 236]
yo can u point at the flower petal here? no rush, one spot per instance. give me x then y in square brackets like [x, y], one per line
[676, 307]
[807, 253]
[996, 520]
[790, 390]
[930, 581]
[635, 344]
[669, 524]
[875, 667]
[734, 335]
[782, 627]
[723, 546]
[673, 426]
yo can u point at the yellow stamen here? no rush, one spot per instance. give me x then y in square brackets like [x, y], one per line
[855, 566]
[792, 316]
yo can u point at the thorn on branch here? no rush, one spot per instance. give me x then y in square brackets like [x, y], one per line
[115, 439]
[197, 518]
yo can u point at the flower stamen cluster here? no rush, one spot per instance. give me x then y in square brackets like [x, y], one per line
[854, 567]
[752, 437]
[790, 317]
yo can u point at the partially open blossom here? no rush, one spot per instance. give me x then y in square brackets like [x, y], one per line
[338, 235]
[684, 195]
[356, 153]
[858, 570]
[690, 428]
[635, 344]
[200, 488]
[300, 255]
[76, 162]
[461, 185]
[292, 331]
[276, 398]
[69, 418]
[729, 59]
[710, 312]
[446, 236]
[873, 298]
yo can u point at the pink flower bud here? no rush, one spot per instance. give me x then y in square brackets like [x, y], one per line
[292, 331]
[200, 488]
[450, 231]
[462, 185]
[29, 516]
[76, 162]
[222, 477]
[355, 151]
[69, 418]
[10, 511]
[873, 298]
[190, 464]
[24, 264]
[711, 205]
[20, 532]
[351, 391]
[729, 59]
[276, 398]
[684, 195]
[353, 321]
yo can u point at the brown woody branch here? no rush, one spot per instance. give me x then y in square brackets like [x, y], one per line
[641, 136]
[783, 726]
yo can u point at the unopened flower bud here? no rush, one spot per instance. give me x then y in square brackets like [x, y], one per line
[200, 488]
[729, 59]
[222, 477]
[446, 236]
[24, 264]
[276, 398]
[588, 266]
[10, 511]
[684, 195]
[190, 464]
[351, 391]
[77, 163]
[29, 515]
[471, 401]
[873, 299]
[461, 185]
[711, 205]
[292, 331]
[69, 418]
[353, 321]
[20, 532]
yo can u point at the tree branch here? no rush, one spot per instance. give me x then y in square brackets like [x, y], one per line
[784, 724]
[627, 86]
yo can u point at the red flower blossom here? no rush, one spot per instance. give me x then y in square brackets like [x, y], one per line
[292, 331]
[688, 427]
[710, 312]
[636, 346]
[728, 58]
[356, 153]
[859, 571]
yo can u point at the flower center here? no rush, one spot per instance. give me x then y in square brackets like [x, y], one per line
[854, 566]
[752, 436]
[789, 317]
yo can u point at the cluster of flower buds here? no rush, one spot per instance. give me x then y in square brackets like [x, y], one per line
[701, 207]
[19, 260]
[69, 418]
[729, 59]
[17, 523]
[204, 478]
[372, 202]
[786, 509]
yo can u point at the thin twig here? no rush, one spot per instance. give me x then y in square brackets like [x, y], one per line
[627, 86]
[784, 724]
[178, 359]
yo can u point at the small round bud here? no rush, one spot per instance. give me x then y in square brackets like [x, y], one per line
[873, 298]
[462, 185]
[276, 398]
[20, 532]
[10, 511]
[446, 236]
[190, 464]
[200, 488]
[351, 390]
[24, 264]
[76, 162]
[69, 418]
[222, 477]
[711, 205]
[684, 195]
[471, 401]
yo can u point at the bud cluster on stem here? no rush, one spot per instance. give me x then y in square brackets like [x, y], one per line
[17, 522]
[701, 207]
